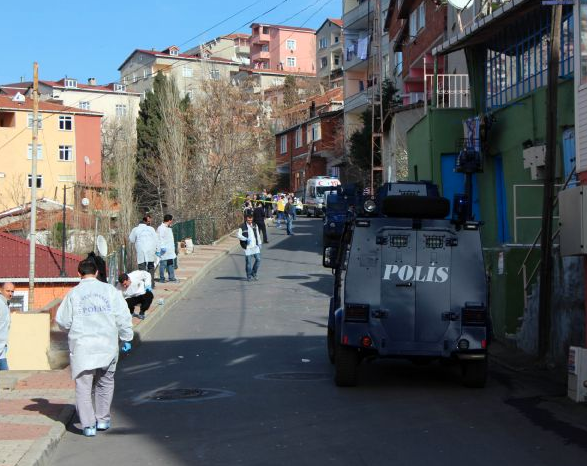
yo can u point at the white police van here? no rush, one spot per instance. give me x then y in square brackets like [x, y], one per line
[316, 192]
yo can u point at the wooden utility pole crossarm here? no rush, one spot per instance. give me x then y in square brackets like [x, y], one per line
[33, 233]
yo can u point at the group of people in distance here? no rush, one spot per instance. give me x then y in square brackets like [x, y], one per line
[257, 208]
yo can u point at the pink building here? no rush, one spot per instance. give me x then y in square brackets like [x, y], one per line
[285, 48]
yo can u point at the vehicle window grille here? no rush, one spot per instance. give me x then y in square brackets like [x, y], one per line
[474, 317]
[399, 241]
[434, 242]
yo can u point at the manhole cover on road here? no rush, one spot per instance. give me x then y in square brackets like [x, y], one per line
[303, 376]
[184, 394]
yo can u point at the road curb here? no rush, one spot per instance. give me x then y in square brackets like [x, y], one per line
[41, 450]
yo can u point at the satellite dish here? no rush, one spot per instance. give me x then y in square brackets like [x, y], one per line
[86, 160]
[460, 4]
[102, 246]
[85, 202]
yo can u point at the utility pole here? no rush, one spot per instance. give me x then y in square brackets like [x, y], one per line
[545, 297]
[376, 100]
[33, 233]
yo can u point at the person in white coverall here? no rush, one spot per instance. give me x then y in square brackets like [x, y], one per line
[97, 317]
[146, 242]
[167, 249]
[6, 292]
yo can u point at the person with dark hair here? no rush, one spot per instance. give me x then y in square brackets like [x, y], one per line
[136, 289]
[6, 293]
[96, 318]
[167, 250]
[100, 265]
[250, 240]
[146, 241]
[259, 220]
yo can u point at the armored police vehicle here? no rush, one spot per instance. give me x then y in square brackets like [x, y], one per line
[409, 283]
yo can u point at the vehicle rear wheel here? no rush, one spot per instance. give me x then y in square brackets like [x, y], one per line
[346, 362]
[474, 373]
[330, 344]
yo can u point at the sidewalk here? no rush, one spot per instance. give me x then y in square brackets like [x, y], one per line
[36, 406]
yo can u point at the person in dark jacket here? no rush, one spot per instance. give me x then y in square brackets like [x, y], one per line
[259, 219]
[100, 265]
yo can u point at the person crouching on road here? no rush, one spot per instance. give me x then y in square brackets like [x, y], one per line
[96, 318]
[136, 289]
[248, 234]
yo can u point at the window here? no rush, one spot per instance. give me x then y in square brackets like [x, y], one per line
[421, 16]
[291, 61]
[135, 78]
[65, 123]
[385, 67]
[71, 83]
[398, 63]
[190, 94]
[323, 42]
[316, 132]
[187, 71]
[39, 121]
[65, 153]
[39, 181]
[413, 24]
[283, 144]
[119, 87]
[174, 52]
[290, 44]
[323, 62]
[264, 48]
[417, 20]
[336, 60]
[39, 152]
[215, 75]
[336, 39]
[124, 80]
[120, 110]
[84, 105]
[298, 137]
[145, 73]
[265, 30]
[265, 65]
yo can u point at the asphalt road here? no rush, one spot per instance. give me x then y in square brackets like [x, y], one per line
[250, 360]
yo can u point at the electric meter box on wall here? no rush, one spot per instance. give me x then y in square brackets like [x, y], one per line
[317, 189]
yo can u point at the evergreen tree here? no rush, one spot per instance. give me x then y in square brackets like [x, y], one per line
[290, 92]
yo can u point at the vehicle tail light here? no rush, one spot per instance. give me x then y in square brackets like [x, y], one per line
[366, 341]
[483, 344]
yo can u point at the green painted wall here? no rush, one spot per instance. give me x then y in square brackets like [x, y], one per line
[522, 120]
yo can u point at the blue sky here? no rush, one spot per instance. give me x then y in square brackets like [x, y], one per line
[93, 38]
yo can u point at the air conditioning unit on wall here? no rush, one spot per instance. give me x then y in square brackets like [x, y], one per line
[577, 372]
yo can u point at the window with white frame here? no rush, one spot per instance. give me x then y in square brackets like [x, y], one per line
[421, 15]
[316, 132]
[417, 20]
[39, 152]
[84, 105]
[187, 71]
[385, 67]
[283, 142]
[124, 80]
[323, 42]
[215, 75]
[398, 63]
[323, 62]
[120, 110]
[135, 78]
[71, 83]
[290, 44]
[413, 24]
[65, 153]
[30, 121]
[65, 123]
[299, 137]
[291, 62]
[145, 73]
[174, 52]
[39, 181]
[336, 60]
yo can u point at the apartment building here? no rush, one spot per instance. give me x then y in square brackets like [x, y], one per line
[234, 47]
[358, 58]
[329, 52]
[138, 71]
[68, 151]
[111, 100]
[283, 48]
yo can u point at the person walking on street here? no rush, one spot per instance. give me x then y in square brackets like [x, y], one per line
[96, 318]
[289, 213]
[136, 289]
[280, 210]
[6, 292]
[167, 250]
[145, 239]
[259, 220]
[250, 240]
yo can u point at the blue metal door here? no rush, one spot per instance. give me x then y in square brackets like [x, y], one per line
[569, 155]
[453, 182]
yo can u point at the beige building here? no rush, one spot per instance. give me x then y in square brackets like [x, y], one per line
[111, 100]
[138, 71]
[234, 47]
[329, 52]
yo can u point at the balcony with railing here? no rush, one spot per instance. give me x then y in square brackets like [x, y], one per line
[447, 91]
